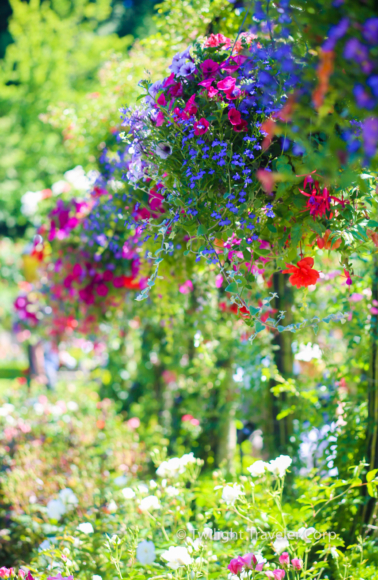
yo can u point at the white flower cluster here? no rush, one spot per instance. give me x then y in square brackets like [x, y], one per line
[175, 466]
[231, 493]
[277, 467]
[176, 557]
[56, 508]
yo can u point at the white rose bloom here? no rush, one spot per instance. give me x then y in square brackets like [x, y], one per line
[142, 487]
[231, 493]
[258, 468]
[120, 480]
[30, 201]
[187, 459]
[280, 544]
[55, 509]
[85, 528]
[68, 497]
[128, 493]
[149, 503]
[112, 506]
[170, 468]
[177, 556]
[77, 178]
[153, 484]
[172, 491]
[279, 466]
[145, 552]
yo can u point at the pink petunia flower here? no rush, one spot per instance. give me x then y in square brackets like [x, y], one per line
[284, 559]
[227, 84]
[201, 127]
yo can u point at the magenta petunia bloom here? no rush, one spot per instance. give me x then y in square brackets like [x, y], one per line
[209, 67]
[234, 116]
[201, 127]
[227, 84]
[162, 101]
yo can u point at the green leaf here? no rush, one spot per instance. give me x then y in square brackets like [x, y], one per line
[233, 288]
[371, 475]
[372, 224]
[253, 310]
[271, 228]
[201, 230]
[259, 326]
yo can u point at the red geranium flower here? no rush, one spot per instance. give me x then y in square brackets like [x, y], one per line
[302, 274]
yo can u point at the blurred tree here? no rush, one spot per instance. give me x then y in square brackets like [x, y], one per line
[55, 55]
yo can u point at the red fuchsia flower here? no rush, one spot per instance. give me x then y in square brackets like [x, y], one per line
[236, 565]
[297, 563]
[266, 179]
[284, 559]
[348, 280]
[227, 84]
[209, 67]
[302, 274]
[276, 574]
[234, 117]
[201, 127]
[162, 101]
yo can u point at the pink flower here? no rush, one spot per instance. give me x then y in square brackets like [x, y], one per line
[21, 573]
[102, 289]
[243, 126]
[266, 179]
[4, 572]
[207, 83]
[185, 418]
[211, 92]
[234, 117]
[284, 559]
[276, 574]
[297, 563]
[218, 281]
[249, 560]
[186, 287]
[216, 40]
[133, 423]
[201, 127]
[190, 108]
[195, 422]
[236, 565]
[159, 119]
[227, 84]
[209, 67]
[176, 90]
[169, 80]
[162, 100]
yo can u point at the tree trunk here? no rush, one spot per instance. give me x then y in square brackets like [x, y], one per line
[372, 422]
[279, 432]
